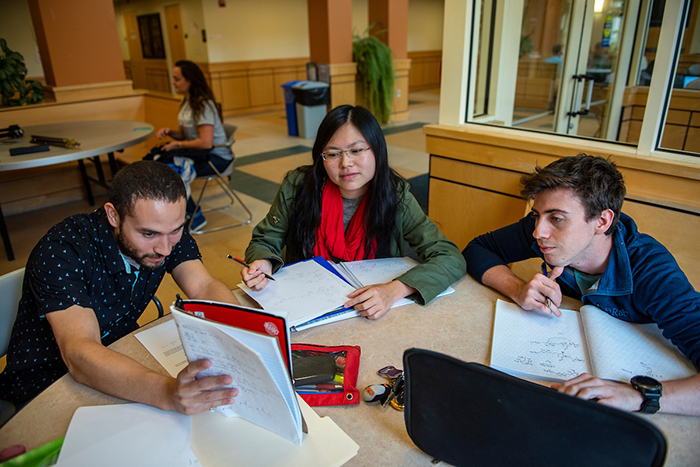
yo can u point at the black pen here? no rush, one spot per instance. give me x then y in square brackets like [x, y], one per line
[240, 261]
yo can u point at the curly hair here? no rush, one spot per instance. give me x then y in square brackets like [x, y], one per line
[595, 181]
[150, 180]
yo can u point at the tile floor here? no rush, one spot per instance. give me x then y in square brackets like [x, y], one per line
[264, 153]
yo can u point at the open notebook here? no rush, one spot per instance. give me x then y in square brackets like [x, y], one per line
[313, 291]
[533, 345]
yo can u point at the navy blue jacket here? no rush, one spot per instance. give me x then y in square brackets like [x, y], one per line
[642, 282]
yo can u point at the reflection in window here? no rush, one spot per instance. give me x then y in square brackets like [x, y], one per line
[682, 125]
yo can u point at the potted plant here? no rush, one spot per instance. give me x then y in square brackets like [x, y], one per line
[375, 72]
[12, 73]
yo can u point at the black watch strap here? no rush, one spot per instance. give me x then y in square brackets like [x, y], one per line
[650, 404]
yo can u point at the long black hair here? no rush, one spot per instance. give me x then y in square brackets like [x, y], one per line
[382, 196]
[199, 92]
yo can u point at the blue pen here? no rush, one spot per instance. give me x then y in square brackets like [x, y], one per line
[548, 301]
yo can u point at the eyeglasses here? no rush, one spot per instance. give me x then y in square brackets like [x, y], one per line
[335, 155]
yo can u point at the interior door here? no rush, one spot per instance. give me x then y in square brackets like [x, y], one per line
[176, 40]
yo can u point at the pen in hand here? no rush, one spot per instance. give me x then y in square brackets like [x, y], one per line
[240, 261]
[548, 301]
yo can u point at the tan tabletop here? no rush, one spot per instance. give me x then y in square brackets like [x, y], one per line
[95, 138]
[459, 325]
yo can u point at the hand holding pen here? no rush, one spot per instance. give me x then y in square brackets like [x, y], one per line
[556, 272]
[255, 275]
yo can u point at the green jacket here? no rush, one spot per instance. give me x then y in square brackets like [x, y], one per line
[442, 262]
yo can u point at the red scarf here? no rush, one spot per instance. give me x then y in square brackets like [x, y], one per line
[332, 241]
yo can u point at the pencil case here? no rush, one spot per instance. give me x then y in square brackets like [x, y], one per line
[347, 359]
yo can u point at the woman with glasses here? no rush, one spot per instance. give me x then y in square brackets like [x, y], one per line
[349, 205]
[200, 136]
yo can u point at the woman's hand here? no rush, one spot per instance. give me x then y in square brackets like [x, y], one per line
[172, 145]
[163, 132]
[375, 300]
[254, 275]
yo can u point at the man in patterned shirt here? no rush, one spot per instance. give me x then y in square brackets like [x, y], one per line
[90, 278]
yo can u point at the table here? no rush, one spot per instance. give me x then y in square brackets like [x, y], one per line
[459, 325]
[95, 138]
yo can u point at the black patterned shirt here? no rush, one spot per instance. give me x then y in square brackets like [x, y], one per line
[77, 263]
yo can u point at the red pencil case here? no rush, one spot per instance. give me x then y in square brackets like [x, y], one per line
[347, 360]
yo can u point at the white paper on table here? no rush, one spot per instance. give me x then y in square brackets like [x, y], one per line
[163, 342]
[127, 434]
[305, 290]
[220, 441]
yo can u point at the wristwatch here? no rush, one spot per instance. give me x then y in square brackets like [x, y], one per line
[651, 392]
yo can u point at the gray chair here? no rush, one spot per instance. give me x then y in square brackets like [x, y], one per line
[222, 179]
[10, 291]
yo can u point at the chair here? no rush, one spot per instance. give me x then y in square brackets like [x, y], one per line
[10, 291]
[470, 414]
[222, 178]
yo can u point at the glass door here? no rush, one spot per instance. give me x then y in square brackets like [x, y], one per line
[550, 65]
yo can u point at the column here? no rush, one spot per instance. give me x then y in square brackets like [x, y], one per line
[392, 17]
[79, 48]
[330, 41]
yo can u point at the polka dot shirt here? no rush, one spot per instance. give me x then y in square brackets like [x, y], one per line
[77, 263]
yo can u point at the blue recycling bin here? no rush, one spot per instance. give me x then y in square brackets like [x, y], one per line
[289, 105]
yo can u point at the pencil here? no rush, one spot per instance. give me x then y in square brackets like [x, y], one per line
[548, 301]
[240, 261]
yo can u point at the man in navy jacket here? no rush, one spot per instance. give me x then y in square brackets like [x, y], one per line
[596, 255]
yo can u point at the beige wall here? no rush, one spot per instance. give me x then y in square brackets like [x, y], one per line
[256, 30]
[16, 28]
[425, 18]
[360, 14]
[192, 23]
[241, 31]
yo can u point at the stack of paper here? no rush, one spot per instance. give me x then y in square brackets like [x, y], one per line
[305, 290]
[314, 291]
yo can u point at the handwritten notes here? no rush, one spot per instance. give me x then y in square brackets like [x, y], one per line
[164, 344]
[305, 290]
[538, 346]
[265, 394]
[533, 345]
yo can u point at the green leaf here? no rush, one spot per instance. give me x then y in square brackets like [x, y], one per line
[2, 74]
[17, 56]
[23, 101]
[10, 61]
[3, 44]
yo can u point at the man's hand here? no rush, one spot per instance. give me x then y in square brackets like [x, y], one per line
[611, 393]
[191, 396]
[533, 295]
[254, 276]
[375, 300]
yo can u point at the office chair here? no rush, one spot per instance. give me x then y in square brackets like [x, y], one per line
[222, 178]
[10, 291]
[470, 414]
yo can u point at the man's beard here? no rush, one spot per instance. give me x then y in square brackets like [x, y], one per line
[129, 251]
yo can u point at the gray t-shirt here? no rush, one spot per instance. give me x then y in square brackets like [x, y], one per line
[350, 206]
[208, 117]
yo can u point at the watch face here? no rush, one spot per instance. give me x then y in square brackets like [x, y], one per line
[646, 382]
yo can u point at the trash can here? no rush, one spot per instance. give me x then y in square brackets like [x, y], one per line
[311, 99]
[291, 109]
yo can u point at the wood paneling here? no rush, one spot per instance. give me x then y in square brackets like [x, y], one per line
[475, 178]
[425, 70]
[682, 120]
[463, 212]
[252, 86]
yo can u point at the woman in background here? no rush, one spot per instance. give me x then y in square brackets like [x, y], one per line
[350, 205]
[201, 135]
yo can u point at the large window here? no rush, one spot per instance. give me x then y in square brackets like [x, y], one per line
[611, 70]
